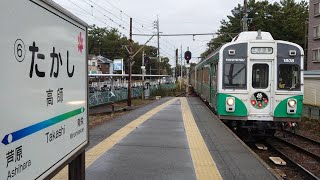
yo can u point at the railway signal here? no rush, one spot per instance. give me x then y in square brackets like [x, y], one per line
[187, 56]
[146, 59]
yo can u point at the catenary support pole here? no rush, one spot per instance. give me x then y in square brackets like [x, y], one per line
[130, 66]
[158, 33]
[245, 16]
[180, 67]
[187, 84]
[176, 71]
[143, 73]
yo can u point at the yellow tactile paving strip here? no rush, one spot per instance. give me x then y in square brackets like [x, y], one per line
[203, 163]
[95, 152]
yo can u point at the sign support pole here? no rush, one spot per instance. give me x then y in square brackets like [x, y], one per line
[77, 168]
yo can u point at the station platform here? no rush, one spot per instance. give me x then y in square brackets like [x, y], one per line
[172, 138]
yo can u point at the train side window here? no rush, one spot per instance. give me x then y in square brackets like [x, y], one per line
[234, 76]
[260, 76]
[289, 77]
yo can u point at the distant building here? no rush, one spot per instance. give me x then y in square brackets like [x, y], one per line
[313, 61]
[99, 65]
[93, 67]
[105, 65]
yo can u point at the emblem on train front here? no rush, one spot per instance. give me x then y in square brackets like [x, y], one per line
[259, 100]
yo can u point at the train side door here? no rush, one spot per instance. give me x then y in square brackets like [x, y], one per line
[260, 88]
[213, 85]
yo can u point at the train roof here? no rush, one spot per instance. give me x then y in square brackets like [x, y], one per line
[253, 35]
[246, 36]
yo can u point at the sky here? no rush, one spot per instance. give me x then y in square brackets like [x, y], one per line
[175, 17]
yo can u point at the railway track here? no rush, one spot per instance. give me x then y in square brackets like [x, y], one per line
[290, 133]
[301, 151]
[183, 94]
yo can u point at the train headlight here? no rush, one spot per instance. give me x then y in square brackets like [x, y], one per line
[292, 103]
[230, 104]
[230, 101]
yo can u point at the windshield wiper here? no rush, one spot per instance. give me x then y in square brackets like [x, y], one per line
[294, 86]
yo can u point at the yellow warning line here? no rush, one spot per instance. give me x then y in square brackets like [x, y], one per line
[95, 152]
[203, 163]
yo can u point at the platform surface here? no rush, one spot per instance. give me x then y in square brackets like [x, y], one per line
[172, 138]
[157, 149]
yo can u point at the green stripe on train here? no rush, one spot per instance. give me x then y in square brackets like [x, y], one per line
[240, 107]
[281, 109]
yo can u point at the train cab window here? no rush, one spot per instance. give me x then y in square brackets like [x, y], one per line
[260, 76]
[289, 77]
[235, 76]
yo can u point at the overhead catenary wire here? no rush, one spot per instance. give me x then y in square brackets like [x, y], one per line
[93, 5]
[121, 25]
[90, 14]
[166, 41]
[194, 34]
[122, 12]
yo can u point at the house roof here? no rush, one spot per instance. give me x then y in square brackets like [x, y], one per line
[104, 60]
[91, 56]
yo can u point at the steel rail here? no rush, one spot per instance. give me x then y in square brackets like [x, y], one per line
[303, 137]
[315, 156]
[304, 170]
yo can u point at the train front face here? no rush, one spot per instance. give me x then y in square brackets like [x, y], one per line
[261, 81]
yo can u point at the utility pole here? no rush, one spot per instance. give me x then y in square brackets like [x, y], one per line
[181, 67]
[184, 64]
[187, 87]
[245, 16]
[158, 33]
[176, 69]
[306, 45]
[130, 66]
[143, 68]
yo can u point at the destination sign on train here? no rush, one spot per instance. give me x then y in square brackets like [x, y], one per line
[261, 50]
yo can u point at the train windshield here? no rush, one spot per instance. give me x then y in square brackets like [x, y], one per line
[289, 77]
[235, 76]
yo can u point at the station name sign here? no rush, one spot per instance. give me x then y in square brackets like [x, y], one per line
[44, 93]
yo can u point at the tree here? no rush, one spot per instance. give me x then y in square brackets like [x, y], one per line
[107, 42]
[110, 44]
[165, 66]
[284, 20]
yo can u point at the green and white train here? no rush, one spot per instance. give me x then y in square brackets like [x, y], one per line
[253, 82]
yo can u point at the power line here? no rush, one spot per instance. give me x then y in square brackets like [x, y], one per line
[120, 25]
[164, 40]
[119, 18]
[196, 34]
[89, 13]
[122, 12]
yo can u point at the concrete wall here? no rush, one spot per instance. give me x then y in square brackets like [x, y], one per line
[312, 91]
[311, 112]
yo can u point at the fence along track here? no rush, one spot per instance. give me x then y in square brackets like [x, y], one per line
[98, 97]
